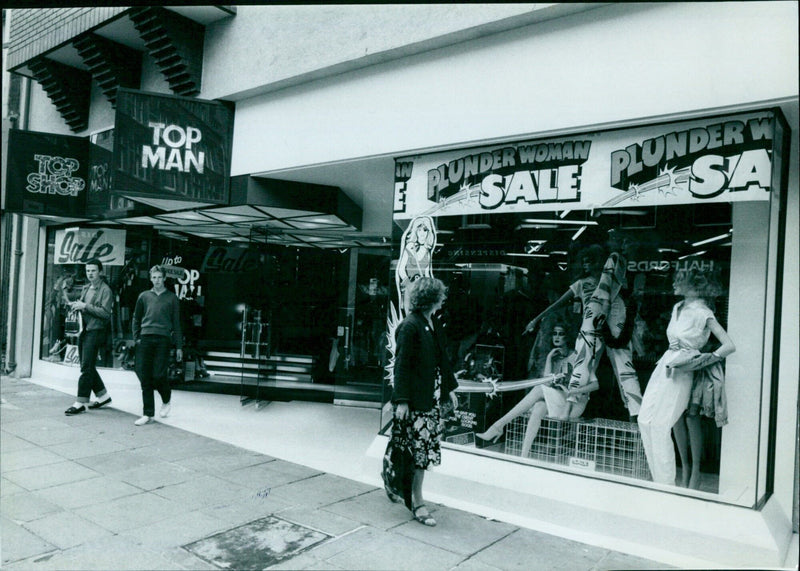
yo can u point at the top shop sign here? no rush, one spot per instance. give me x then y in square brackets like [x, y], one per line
[713, 160]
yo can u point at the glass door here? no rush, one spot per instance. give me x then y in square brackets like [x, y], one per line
[358, 355]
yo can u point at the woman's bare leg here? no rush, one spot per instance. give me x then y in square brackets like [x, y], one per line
[696, 446]
[538, 412]
[520, 408]
[682, 440]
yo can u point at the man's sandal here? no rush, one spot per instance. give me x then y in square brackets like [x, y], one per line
[426, 519]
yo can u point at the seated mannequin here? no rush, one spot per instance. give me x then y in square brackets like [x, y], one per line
[559, 361]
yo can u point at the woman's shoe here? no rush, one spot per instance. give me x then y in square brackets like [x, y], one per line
[492, 434]
[424, 519]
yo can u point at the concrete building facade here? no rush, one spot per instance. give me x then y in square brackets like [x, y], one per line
[333, 99]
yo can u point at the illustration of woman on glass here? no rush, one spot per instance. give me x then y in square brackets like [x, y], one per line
[416, 253]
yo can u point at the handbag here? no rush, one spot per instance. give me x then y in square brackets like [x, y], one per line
[398, 465]
[73, 323]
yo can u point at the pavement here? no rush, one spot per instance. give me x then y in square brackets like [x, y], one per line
[94, 491]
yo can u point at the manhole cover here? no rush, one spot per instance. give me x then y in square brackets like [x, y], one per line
[256, 545]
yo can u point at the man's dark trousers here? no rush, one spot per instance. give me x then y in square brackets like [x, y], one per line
[88, 344]
[152, 364]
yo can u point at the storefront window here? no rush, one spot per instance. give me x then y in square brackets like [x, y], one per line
[529, 229]
[125, 254]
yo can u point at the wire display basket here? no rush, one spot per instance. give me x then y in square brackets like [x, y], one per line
[611, 446]
[555, 441]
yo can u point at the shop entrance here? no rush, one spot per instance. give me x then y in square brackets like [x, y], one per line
[321, 315]
[358, 354]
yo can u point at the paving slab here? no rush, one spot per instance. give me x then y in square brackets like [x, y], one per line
[474, 565]
[246, 510]
[12, 414]
[168, 443]
[133, 511]
[12, 443]
[50, 475]
[9, 488]
[156, 475]
[323, 520]
[93, 446]
[45, 431]
[65, 529]
[457, 531]
[177, 530]
[79, 495]
[186, 560]
[373, 509]
[269, 474]
[120, 460]
[204, 491]
[28, 458]
[19, 543]
[525, 549]
[26, 507]
[224, 463]
[105, 554]
[370, 548]
[305, 561]
[614, 560]
[320, 490]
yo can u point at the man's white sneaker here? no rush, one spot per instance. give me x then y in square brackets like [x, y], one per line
[165, 410]
[143, 420]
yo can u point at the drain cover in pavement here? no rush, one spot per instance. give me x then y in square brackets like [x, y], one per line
[256, 545]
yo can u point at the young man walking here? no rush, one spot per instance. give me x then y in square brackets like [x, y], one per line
[95, 307]
[156, 325]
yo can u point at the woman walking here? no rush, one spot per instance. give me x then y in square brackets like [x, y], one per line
[422, 375]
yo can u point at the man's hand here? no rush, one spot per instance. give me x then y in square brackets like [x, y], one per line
[79, 305]
[179, 355]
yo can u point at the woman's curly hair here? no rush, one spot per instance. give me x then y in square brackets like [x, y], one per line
[704, 282]
[425, 292]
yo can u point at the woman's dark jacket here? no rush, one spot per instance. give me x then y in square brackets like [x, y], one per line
[419, 351]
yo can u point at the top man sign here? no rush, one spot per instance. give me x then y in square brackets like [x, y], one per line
[169, 147]
[722, 159]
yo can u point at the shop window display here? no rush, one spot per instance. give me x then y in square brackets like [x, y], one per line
[519, 327]
[588, 235]
[125, 255]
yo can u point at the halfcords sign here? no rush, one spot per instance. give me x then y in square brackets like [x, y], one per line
[719, 160]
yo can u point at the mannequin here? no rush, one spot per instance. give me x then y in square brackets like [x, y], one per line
[598, 290]
[669, 391]
[560, 360]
